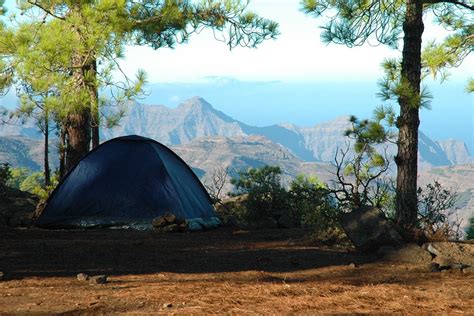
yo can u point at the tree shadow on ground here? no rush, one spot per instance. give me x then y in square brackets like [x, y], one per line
[34, 252]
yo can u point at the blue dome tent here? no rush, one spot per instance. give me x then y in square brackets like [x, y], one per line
[127, 182]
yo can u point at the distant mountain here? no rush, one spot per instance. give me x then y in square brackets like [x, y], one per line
[196, 118]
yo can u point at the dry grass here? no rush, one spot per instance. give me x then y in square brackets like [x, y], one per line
[225, 286]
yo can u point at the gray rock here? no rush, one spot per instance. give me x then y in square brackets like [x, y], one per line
[98, 279]
[368, 229]
[82, 277]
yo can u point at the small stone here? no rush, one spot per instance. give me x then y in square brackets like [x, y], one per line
[353, 265]
[170, 218]
[167, 305]
[98, 279]
[159, 222]
[1, 275]
[170, 228]
[434, 267]
[82, 277]
[444, 263]
[468, 270]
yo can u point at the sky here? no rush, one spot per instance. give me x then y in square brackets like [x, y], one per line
[294, 79]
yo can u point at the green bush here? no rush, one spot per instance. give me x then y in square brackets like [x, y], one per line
[311, 204]
[266, 195]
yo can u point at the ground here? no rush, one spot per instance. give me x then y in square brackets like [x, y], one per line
[215, 272]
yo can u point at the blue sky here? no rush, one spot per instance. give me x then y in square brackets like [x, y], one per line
[295, 78]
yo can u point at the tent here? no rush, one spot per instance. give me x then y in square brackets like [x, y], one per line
[127, 182]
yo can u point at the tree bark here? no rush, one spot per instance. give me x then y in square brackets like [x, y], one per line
[95, 119]
[47, 173]
[409, 121]
[78, 137]
[62, 153]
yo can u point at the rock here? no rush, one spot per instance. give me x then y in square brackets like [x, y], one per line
[171, 228]
[159, 222]
[285, 221]
[444, 262]
[167, 305]
[170, 218]
[434, 267]
[468, 270]
[82, 277]
[368, 229]
[411, 253]
[384, 251]
[452, 252]
[98, 279]
[353, 265]
[1, 275]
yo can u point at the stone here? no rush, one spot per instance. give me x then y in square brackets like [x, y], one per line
[98, 279]
[452, 252]
[82, 277]
[353, 265]
[1, 275]
[384, 251]
[170, 218]
[444, 262]
[167, 305]
[368, 229]
[159, 222]
[170, 228]
[411, 253]
[434, 267]
[468, 270]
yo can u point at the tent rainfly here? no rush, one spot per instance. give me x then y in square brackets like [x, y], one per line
[127, 182]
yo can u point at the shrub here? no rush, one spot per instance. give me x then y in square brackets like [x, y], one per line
[266, 195]
[311, 203]
[435, 205]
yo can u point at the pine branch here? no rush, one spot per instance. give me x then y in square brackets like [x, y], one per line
[455, 2]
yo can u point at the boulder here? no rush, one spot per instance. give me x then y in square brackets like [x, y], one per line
[449, 253]
[411, 253]
[98, 279]
[368, 229]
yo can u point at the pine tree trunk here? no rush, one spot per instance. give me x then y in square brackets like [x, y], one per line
[79, 137]
[409, 121]
[95, 119]
[62, 153]
[47, 174]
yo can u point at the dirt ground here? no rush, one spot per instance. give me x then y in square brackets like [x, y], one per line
[224, 271]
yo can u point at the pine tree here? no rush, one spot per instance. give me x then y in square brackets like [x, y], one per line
[354, 23]
[74, 48]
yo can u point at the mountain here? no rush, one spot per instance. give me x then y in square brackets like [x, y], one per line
[196, 118]
[456, 151]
